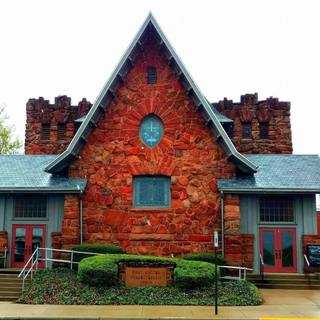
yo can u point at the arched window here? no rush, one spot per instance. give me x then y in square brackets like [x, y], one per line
[151, 130]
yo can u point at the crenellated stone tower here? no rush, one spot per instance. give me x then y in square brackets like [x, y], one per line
[258, 126]
[50, 127]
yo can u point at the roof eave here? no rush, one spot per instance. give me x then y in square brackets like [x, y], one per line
[41, 190]
[269, 190]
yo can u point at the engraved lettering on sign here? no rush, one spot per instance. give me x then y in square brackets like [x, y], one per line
[145, 277]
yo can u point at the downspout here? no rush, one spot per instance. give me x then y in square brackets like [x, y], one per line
[81, 218]
[222, 222]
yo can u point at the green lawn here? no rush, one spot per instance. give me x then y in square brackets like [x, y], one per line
[61, 286]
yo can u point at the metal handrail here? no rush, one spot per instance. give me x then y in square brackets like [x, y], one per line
[35, 262]
[307, 260]
[261, 267]
[242, 275]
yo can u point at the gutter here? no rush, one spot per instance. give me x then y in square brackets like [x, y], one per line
[40, 190]
[267, 190]
[222, 222]
[81, 217]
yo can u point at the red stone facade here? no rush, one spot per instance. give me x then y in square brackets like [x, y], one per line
[274, 113]
[232, 236]
[187, 153]
[3, 241]
[40, 112]
[71, 223]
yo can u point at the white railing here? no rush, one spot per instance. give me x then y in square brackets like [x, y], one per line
[307, 260]
[242, 272]
[261, 267]
[36, 257]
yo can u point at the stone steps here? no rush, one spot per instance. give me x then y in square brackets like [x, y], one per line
[286, 281]
[10, 286]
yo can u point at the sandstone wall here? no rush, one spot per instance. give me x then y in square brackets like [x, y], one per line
[187, 153]
[39, 112]
[249, 110]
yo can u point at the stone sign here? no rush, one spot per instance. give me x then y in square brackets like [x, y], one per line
[145, 277]
[145, 274]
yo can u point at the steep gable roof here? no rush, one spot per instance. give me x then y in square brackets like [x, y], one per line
[108, 92]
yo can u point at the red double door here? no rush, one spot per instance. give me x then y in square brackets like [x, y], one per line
[25, 239]
[278, 249]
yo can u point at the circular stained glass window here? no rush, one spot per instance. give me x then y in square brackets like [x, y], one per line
[151, 130]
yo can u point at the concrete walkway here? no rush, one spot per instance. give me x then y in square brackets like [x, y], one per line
[277, 303]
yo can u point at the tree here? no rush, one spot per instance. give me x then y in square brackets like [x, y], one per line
[8, 144]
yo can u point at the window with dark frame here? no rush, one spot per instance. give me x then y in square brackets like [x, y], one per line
[276, 209]
[30, 207]
[151, 191]
[264, 130]
[62, 129]
[246, 130]
[152, 75]
[45, 132]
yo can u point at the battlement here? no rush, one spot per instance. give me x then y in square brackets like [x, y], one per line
[258, 126]
[50, 127]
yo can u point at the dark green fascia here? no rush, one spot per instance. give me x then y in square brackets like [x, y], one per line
[270, 190]
[41, 190]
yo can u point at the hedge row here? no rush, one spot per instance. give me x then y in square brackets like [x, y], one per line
[206, 257]
[95, 248]
[103, 270]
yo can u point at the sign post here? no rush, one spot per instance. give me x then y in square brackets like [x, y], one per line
[216, 243]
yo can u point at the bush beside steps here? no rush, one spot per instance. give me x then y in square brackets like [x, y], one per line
[103, 270]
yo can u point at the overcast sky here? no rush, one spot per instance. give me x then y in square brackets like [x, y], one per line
[51, 48]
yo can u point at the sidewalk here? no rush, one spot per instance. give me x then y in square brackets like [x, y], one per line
[277, 303]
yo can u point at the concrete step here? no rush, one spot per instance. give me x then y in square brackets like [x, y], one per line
[287, 286]
[10, 286]
[282, 276]
[292, 281]
[8, 276]
[8, 291]
[9, 298]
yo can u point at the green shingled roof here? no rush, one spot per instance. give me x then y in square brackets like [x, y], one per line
[278, 173]
[25, 173]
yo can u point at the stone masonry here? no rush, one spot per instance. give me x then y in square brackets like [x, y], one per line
[274, 113]
[40, 112]
[188, 153]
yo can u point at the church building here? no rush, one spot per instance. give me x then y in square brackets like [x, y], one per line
[154, 167]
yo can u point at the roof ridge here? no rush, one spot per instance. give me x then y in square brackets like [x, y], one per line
[109, 90]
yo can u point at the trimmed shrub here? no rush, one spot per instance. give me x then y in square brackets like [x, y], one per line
[206, 257]
[193, 274]
[95, 248]
[103, 270]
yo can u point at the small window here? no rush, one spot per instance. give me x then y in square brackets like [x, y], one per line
[152, 75]
[246, 130]
[30, 207]
[264, 130]
[45, 132]
[276, 209]
[151, 130]
[151, 191]
[61, 131]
